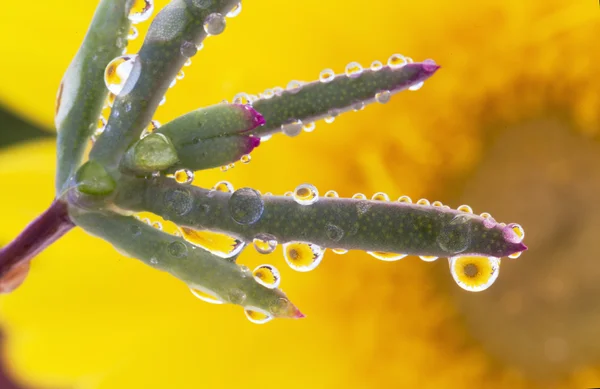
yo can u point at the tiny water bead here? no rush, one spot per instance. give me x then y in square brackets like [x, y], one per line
[267, 275]
[157, 225]
[184, 176]
[219, 244]
[518, 230]
[235, 11]
[437, 204]
[428, 258]
[162, 101]
[333, 232]
[246, 206]
[306, 194]
[359, 196]
[118, 71]
[293, 128]
[302, 256]
[380, 196]
[388, 257]
[331, 194]
[326, 75]
[241, 98]
[246, 158]
[383, 96]
[416, 86]
[396, 61]
[376, 66]
[288, 194]
[141, 10]
[110, 99]
[177, 250]
[188, 49]
[423, 202]
[339, 251]
[309, 127]
[465, 208]
[264, 243]
[257, 317]
[188, 62]
[329, 119]
[294, 86]
[405, 199]
[214, 24]
[474, 273]
[205, 296]
[223, 186]
[488, 220]
[133, 33]
[353, 69]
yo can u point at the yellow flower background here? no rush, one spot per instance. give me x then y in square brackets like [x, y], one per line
[508, 125]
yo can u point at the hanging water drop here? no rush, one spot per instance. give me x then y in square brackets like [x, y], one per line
[380, 196]
[180, 75]
[428, 258]
[329, 119]
[416, 86]
[331, 194]
[264, 243]
[246, 206]
[353, 69]
[383, 96]
[117, 72]
[292, 129]
[306, 194]
[214, 24]
[223, 186]
[339, 251]
[397, 61]
[267, 275]
[219, 244]
[246, 158]
[257, 317]
[302, 256]
[133, 33]
[474, 273]
[162, 101]
[235, 11]
[309, 127]
[205, 296]
[141, 10]
[388, 257]
[326, 75]
[188, 62]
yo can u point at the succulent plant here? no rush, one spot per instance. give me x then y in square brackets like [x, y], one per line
[135, 165]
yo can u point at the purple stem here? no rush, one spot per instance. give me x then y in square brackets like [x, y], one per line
[38, 235]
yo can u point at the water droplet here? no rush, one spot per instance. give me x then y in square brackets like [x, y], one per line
[288, 194]
[267, 276]
[133, 33]
[257, 317]
[376, 66]
[428, 258]
[214, 24]
[184, 176]
[332, 194]
[219, 244]
[268, 194]
[334, 232]
[153, 126]
[309, 127]
[518, 230]
[231, 166]
[455, 236]
[515, 255]
[294, 86]
[359, 196]
[235, 11]
[177, 249]
[117, 72]
[397, 61]
[223, 186]
[416, 86]
[329, 119]
[264, 243]
[157, 225]
[383, 96]
[380, 196]
[236, 296]
[358, 106]
[188, 49]
[353, 69]
[188, 62]
[488, 220]
[178, 201]
[388, 257]
[162, 101]
[265, 138]
[172, 84]
[110, 99]
[246, 206]
[306, 194]
[141, 10]
[241, 98]
[326, 75]
[267, 94]
[206, 296]
[339, 251]
[302, 256]
[246, 158]
[464, 208]
[405, 199]
[292, 129]
[423, 202]
[474, 273]
[135, 230]
[437, 204]
[224, 168]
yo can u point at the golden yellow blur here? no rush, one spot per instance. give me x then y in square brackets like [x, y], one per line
[87, 317]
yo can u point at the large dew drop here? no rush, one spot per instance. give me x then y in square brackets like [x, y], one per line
[219, 244]
[474, 273]
[264, 243]
[246, 206]
[141, 10]
[302, 256]
[257, 317]
[214, 24]
[306, 194]
[388, 257]
[267, 275]
[117, 72]
[205, 295]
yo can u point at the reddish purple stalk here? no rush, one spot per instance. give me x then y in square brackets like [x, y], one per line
[38, 235]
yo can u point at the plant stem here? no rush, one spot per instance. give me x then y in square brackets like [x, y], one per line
[38, 235]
